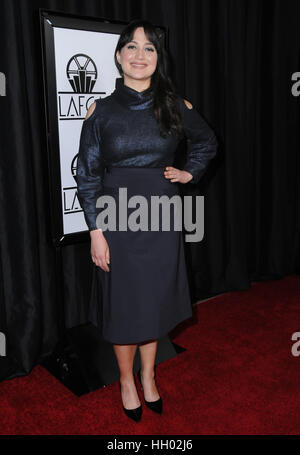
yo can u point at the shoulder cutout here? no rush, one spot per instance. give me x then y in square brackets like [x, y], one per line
[90, 110]
[188, 104]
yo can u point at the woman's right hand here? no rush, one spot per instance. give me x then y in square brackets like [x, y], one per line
[100, 250]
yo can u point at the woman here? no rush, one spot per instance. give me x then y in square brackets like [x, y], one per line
[128, 140]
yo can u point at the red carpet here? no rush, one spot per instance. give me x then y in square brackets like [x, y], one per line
[238, 376]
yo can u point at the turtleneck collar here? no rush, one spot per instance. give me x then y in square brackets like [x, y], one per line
[131, 98]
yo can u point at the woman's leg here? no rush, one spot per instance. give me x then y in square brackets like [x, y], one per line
[125, 357]
[148, 354]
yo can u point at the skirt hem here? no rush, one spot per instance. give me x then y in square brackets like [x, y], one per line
[146, 338]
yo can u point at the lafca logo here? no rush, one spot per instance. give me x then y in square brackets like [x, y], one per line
[82, 74]
[2, 345]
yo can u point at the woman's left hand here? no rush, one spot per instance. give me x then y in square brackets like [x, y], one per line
[177, 175]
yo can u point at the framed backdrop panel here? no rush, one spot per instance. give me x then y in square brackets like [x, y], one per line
[78, 67]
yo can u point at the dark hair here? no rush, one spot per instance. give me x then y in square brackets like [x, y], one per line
[165, 107]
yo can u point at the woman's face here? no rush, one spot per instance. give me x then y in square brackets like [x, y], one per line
[138, 58]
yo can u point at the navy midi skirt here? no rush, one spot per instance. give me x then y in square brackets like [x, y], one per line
[146, 293]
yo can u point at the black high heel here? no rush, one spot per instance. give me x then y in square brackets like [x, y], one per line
[134, 414]
[155, 406]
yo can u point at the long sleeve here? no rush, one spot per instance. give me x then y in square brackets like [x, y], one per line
[90, 168]
[201, 142]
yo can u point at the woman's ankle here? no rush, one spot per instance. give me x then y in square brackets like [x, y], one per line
[127, 379]
[148, 372]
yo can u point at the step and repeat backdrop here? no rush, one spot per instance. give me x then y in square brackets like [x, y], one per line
[78, 62]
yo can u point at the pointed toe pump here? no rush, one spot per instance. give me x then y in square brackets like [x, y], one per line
[155, 406]
[134, 414]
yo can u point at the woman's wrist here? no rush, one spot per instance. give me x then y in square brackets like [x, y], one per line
[96, 232]
[189, 175]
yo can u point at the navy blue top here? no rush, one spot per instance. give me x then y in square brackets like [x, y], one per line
[122, 131]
